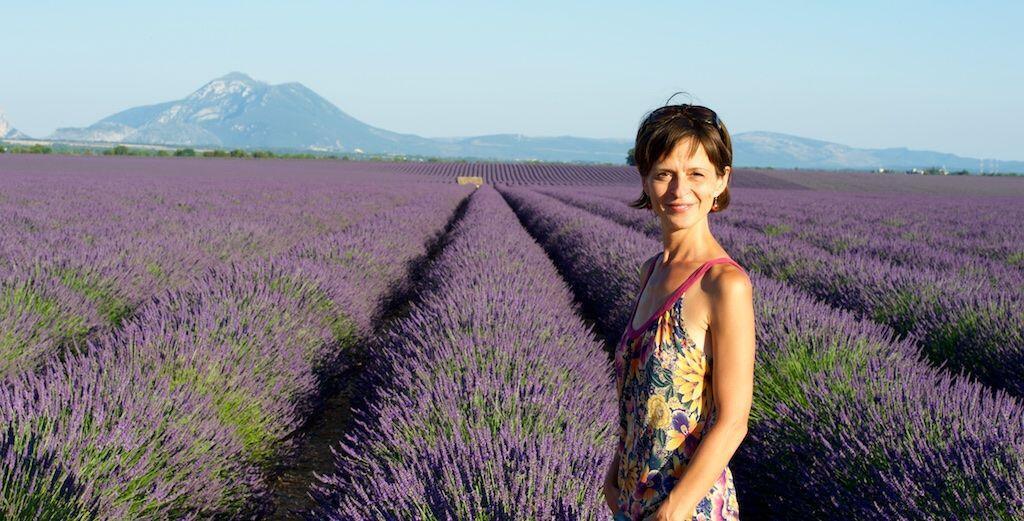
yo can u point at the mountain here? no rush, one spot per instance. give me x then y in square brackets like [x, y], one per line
[9, 132]
[786, 151]
[236, 111]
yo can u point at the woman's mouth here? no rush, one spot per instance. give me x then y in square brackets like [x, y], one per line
[677, 208]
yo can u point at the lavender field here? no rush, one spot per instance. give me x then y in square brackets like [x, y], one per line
[173, 330]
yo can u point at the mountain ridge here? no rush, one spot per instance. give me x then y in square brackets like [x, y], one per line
[237, 111]
[774, 149]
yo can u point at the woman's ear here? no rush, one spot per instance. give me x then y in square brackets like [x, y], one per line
[723, 181]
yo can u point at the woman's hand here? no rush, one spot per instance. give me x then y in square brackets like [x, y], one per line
[670, 511]
[611, 485]
[611, 496]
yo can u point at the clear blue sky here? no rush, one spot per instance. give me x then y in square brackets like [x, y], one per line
[943, 76]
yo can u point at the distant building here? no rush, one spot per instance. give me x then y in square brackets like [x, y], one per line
[470, 180]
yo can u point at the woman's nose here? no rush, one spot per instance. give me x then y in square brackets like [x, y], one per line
[678, 186]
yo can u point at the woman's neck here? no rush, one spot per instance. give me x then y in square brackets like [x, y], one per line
[689, 244]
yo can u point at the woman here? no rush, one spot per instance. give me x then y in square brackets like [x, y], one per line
[685, 375]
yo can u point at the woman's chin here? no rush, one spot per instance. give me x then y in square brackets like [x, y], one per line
[675, 222]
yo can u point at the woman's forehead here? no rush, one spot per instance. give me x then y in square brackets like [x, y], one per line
[680, 155]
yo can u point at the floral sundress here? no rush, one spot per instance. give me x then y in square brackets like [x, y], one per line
[666, 407]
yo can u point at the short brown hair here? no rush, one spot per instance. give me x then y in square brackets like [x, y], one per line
[664, 127]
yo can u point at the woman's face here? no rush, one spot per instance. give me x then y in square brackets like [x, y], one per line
[682, 189]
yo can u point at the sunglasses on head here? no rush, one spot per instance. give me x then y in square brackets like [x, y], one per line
[695, 113]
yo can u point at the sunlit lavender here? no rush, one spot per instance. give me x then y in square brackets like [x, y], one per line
[170, 327]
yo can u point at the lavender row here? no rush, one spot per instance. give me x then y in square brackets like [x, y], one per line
[966, 325]
[79, 256]
[972, 236]
[184, 411]
[847, 422]
[892, 183]
[233, 170]
[524, 173]
[490, 399]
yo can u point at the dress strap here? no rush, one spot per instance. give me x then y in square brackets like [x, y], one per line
[696, 275]
[639, 294]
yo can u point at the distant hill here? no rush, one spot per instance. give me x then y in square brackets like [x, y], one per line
[236, 111]
[9, 132]
[786, 151]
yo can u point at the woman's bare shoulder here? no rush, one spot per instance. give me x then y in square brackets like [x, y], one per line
[727, 279]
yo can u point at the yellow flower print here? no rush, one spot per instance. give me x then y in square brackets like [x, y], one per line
[658, 415]
[674, 403]
[664, 329]
[682, 423]
[674, 439]
[688, 375]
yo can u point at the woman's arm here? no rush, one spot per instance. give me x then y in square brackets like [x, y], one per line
[732, 336]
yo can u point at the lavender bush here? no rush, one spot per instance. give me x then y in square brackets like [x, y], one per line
[35, 487]
[80, 254]
[489, 399]
[138, 445]
[183, 409]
